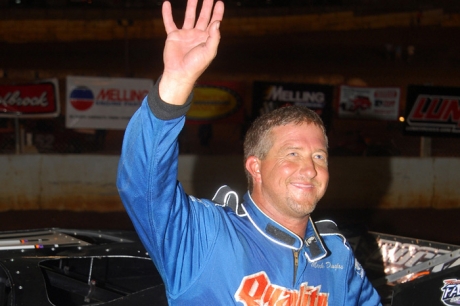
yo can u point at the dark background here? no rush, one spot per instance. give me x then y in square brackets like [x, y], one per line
[331, 55]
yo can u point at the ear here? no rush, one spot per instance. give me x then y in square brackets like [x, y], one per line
[253, 167]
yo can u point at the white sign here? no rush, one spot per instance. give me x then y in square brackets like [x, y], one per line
[367, 103]
[103, 103]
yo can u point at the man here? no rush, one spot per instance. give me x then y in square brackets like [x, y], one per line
[265, 252]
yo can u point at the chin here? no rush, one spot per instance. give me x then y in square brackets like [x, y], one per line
[304, 209]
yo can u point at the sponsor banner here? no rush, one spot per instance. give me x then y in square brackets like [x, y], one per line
[268, 96]
[103, 103]
[432, 111]
[33, 100]
[451, 291]
[217, 102]
[369, 102]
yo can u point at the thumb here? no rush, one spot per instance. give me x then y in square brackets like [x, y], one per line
[214, 37]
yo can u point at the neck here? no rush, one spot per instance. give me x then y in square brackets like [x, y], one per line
[297, 225]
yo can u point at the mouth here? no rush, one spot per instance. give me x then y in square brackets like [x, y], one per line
[303, 185]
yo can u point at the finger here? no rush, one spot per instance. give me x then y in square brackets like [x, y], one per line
[205, 15]
[214, 38]
[218, 13]
[190, 14]
[168, 21]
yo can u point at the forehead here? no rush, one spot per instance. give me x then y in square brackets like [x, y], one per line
[298, 133]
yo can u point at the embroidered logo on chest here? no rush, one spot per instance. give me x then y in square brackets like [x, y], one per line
[256, 289]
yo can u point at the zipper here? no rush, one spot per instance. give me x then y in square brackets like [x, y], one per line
[296, 264]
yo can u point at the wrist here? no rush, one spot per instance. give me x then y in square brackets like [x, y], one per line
[173, 90]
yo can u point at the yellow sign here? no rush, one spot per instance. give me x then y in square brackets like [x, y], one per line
[211, 102]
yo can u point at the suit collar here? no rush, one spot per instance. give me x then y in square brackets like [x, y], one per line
[312, 244]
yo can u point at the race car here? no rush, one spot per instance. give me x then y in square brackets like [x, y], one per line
[409, 271]
[70, 267]
[77, 267]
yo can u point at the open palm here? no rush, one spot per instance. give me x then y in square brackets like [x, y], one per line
[190, 50]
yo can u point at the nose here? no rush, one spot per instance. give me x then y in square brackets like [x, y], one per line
[308, 168]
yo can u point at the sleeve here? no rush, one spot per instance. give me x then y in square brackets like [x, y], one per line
[177, 230]
[360, 288]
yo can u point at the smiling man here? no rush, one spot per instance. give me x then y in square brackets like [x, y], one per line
[290, 175]
[265, 251]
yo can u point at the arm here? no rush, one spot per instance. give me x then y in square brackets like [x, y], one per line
[360, 290]
[147, 174]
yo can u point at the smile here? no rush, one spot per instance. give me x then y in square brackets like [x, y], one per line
[303, 185]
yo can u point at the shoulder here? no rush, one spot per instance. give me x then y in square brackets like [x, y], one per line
[330, 233]
[327, 227]
[227, 197]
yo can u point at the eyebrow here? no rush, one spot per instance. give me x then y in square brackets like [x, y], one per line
[289, 147]
[325, 151]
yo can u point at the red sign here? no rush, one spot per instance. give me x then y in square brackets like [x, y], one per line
[433, 110]
[29, 100]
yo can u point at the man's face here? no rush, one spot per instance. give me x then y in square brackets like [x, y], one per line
[293, 176]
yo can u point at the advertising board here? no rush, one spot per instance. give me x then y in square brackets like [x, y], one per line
[103, 103]
[369, 102]
[30, 100]
[268, 96]
[432, 110]
[217, 102]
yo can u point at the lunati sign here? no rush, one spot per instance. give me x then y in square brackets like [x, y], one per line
[433, 110]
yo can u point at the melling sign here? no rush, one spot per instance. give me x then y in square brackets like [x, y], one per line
[34, 100]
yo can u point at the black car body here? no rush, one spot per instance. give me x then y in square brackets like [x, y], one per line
[77, 267]
[66, 267]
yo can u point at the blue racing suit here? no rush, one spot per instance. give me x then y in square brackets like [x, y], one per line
[213, 255]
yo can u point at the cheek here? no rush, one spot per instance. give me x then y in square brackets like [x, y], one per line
[286, 169]
[278, 172]
[324, 174]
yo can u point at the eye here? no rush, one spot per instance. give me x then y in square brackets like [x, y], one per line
[293, 154]
[320, 156]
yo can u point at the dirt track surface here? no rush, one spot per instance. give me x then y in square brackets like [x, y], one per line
[425, 224]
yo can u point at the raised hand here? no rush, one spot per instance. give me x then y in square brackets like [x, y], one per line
[190, 50]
